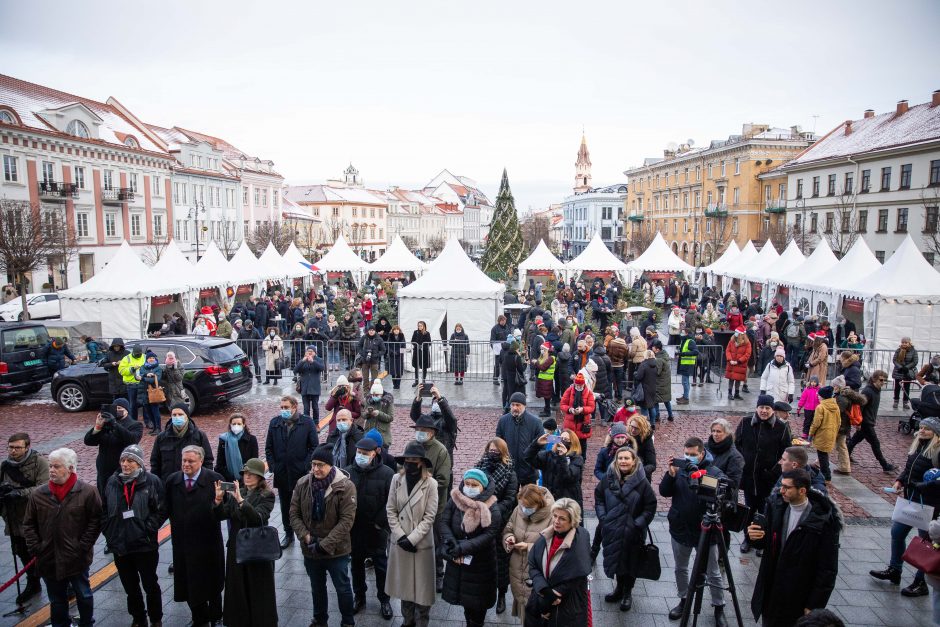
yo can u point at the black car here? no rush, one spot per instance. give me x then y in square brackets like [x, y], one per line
[216, 370]
[23, 348]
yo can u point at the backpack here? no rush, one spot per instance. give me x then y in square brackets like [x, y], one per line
[855, 415]
[793, 331]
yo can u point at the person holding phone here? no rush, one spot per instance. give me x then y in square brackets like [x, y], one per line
[114, 431]
[236, 444]
[561, 467]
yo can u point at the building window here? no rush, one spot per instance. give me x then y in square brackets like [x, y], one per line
[371, 212]
[135, 225]
[846, 222]
[6, 117]
[264, 197]
[698, 173]
[935, 172]
[335, 212]
[866, 181]
[831, 187]
[734, 226]
[81, 224]
[722, 168]
[829, 221]
[882, 221]
[737, 196]
[905, 176]
[708, 225]
[930, 220]
[107, 177]
[685, 225]
[768, 195]
[245, 196]
[782, 193]
[797, 220]
[355, 212]
[274, 199]
[813, 222]
[158, 226]
[799, 188]
[709, 170]
[48, 172]
[675, 227]
[880, 256]
[77, 128]
[815, 186]
[737, 166]
[133, 180]
[257, 197]
[698, 199]
[902, 221]
[381, 234]
[230, 198]
[849, 182]
[155, 186]
[10, 172]
[863, 221]
[885, 179]
[929, 257]
[110, 225]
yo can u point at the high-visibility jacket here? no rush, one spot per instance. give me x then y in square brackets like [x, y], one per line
[125, 365]
[548, 373]
[685, 357]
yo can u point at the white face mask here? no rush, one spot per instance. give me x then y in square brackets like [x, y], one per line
[471, 492]
[271, 333]
[236, 429]
[421, 436]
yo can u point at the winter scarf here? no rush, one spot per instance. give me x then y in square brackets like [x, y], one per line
[59, 491]
[476, 514]
[717, 448]
[318, 493]
[233, 456]
[9, 461]
[128, 478]
[498, 472]
[339, 451]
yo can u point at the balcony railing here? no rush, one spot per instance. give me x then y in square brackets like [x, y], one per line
[117, 196]
[775, 209]
[716, 211]
[635, 217]
[53, 191]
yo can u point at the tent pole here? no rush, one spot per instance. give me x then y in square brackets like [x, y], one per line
[140, 315]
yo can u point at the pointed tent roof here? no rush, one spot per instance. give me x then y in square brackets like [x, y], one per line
[789, 259]
[541, 259]
[731, 253]
[858, 262]
[118, 279]
[292, 256]
[273, 263]
[905, 275]
[453, 275]
[212, 269]
[172, 273]
[341, 258]
[658, 257]
[397, 258]
[245, 267]
[760, 262]
[744, 260]
[817, 264]
[596, 256]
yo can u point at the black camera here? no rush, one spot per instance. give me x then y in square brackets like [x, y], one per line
[720, 500]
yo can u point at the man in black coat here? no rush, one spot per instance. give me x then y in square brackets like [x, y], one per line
[249, 340]
[762, 440]
[519, 429]
[443, 417]
[112, 434]
[801, 558]
[288, 448]
[198, 553]
[373, 480]
[112, 357]
[498, 334]
[167, 454]
[370, 351]
[866, 430]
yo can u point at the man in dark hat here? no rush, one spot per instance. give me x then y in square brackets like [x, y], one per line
[519, 428]
[112, 434]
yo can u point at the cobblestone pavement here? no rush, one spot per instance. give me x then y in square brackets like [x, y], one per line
[858, 598]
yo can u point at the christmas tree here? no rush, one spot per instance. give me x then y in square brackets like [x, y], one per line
[504, 247]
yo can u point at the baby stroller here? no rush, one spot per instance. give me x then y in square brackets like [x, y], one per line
[928, 405]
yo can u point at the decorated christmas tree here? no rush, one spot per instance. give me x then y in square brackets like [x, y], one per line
[504, 247]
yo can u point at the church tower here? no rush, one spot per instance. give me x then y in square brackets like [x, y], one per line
[352, 177]
[582, 168]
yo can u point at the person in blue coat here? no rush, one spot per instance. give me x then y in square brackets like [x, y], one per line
[292, 438]
[57, 352]
[308, 371]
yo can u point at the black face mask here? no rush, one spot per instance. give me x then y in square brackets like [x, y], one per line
[137, 352]
[494, 456]
[413, 468]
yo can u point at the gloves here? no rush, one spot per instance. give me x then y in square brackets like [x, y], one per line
[316, 549]
[405, 544]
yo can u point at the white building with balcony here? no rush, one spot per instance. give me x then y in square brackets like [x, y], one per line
[598, 210]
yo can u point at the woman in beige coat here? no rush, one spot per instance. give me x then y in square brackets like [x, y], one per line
[530, 518]
[411, 508]
[636, 352]
[818, 362]
[273, 347]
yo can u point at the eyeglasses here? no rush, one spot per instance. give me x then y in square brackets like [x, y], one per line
[13, 447]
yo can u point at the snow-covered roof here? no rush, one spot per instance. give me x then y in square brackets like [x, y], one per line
[759, 265]
[341, 258]
[906, 275]
[817, 264]
[658, 257]
[920, 123]
[397, 258]
[121, 277]
[453, 275]
[791, 258]
[596, 256]
[731, 253]
[541, 259]
[857, 264]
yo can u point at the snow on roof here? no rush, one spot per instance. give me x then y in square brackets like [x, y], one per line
[905, 275]
[341, 258]
[818, 263]
[120, 278]
[658, 257]
[453, 275]
[596, 256]
[919, 124]
[790, 258]
[858, 264]
[760, 264]
[731, 253]
[541, 259]
[397, 258]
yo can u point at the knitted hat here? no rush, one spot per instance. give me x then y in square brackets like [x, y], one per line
[618, 428]
[827, 392]
[814, 378]
[479, 475]
[780, 352]
[931, 423]
[550, 424]
[342, 380]
[323, 454]
[517, 397]
[579, 379]
[123, 402]
[377, 387]
[367, 444]
[254, 466]
[839, 382]
[134, 453]
[373, 434]
[765, 400]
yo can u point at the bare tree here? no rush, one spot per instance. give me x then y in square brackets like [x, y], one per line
[281, 234]
[840, 224]
[638, 239]
[435, 244]
[534, 229]
[62, 239]
[777, 232]
[310, 236]
[410, 242]
[155, 249]
[716, 236]
[333, 227]
[930, 199]
[228, 240]
[26, 244]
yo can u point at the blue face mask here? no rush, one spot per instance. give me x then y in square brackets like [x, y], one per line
[421, 436]
[363, 460]
[692, 459]
[179, 421]
[343, 427]
[471, 492]
[286, 413]
[526, 511]
[376, 399]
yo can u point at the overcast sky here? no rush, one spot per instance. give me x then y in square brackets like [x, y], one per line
[404, 89]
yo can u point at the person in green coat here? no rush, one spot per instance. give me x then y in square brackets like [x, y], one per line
[663, 379]
[379, 412]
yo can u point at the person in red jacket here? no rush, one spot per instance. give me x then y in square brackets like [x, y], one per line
[577, 406]
[737, 354]
[735, 319]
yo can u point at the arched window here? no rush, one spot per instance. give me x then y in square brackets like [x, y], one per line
[130, 142]
[78, 129]
[6, 117]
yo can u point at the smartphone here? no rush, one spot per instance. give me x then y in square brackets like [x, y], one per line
[553, 440]
[109, 409]
[228, 486]
[426, 389]
[759, 519]
[890, 489]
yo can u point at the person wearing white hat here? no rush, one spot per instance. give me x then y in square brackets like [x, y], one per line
[379, 411]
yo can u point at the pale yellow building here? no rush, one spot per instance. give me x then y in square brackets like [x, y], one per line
[700, 198]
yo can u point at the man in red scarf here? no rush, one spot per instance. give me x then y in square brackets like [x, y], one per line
[62, 522]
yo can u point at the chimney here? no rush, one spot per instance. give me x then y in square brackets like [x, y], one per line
[936, 99]
[848, 127]
[869, 113]
[902, 108]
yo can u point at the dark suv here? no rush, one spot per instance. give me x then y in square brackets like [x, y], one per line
[215, 370]
[23, 348]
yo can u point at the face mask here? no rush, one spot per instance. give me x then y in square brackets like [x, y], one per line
[421, 436]
[363, 460]
[286, 413]
[526, 511]
[179, 421]
[271, 333]
[237, 429]
[376, 399]
[435, 408]
[343, 427]
[137, 352]
[692, 459]
[152, 363]
[471, 492]
[412, 468]
[494, 456]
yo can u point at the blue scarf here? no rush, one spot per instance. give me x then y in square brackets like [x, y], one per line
[233, 456]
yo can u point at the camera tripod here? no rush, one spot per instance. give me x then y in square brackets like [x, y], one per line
[711, 532]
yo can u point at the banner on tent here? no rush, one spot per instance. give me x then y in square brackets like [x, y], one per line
[593, 274]
[158, 301]
[229, 292]
[853, 305]
[538, 273]
[389, 275]
[209, 292]
[243, 289]
[335, 275]
[659, 276]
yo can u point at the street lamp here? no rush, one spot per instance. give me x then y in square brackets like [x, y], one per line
[801, 206]
[199, 207]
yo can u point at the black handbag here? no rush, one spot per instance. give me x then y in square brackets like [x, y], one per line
[257, 544]
[638, 395]
[521, 380]
[648, 566]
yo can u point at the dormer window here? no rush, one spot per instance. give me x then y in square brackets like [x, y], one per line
[130, 142]
[77, 128]
[6, 117]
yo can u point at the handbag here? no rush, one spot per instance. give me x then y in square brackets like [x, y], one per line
[637, 395]
[521, 380]
[922, 555]
[649, 566]
[913, 514]
[257, 544]
[155, 394]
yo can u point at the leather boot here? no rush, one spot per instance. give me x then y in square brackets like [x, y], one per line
[288, 539]
[501, 603]
[626, 603]
[888, 574]
[616, 595]
[32, 589]
[676, 612]
[720, 620]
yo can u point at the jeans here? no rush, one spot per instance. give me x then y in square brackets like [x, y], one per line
[496, 367]
[152, 416]
[332, 356]
[619, 376]
[135, 569]
[682, 554]
[312, 404]
[686, 386]
[57, 589]
[358, 567]
[668, 405]
[132, 400]
[338, 569]
[652, 413]
[899, 532]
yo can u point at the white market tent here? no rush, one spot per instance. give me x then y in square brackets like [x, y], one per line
[762, 260]
[823, 292]
[540, 259]
[596, 256]
[453, 290]
[743, 260]
[341, 258]
[280, 270]
[900, 299]
[172, 274]
[658, 257]
[716, 267]
[244, 267]
[791, 258]
[212, 269]
[397, 258]
[293, 257]
[816, 265]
